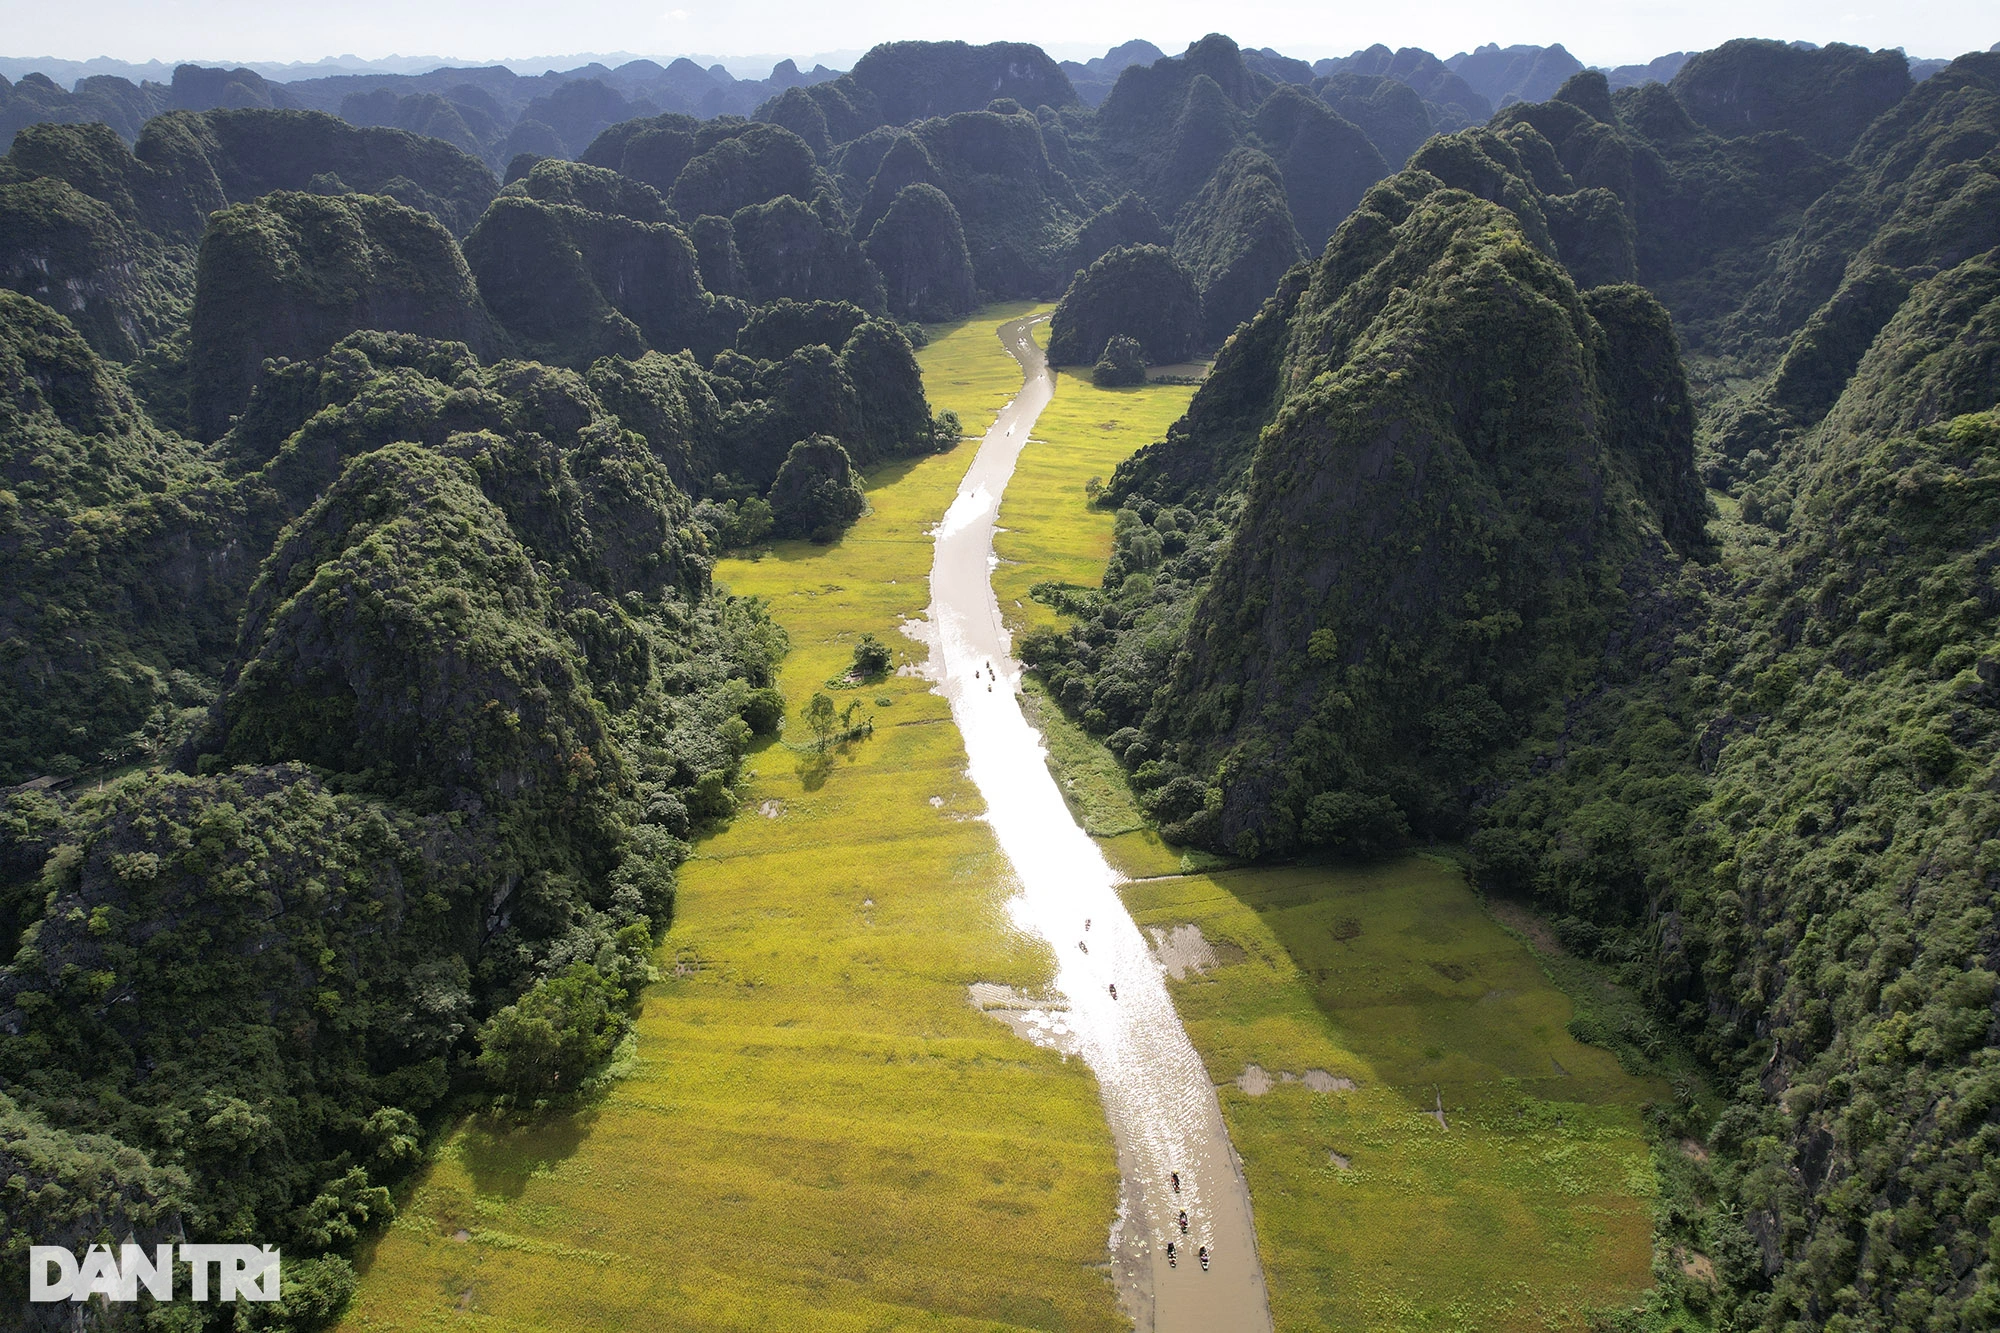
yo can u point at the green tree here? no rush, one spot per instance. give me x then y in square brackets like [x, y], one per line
[1121, 363]
[545, 1042]
[871, 657]
[820, 716]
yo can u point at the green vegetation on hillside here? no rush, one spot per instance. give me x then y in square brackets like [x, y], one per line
[483, 619]
[919, 245]
[1463, 556]
[1755, 789]
[293, 273]
[1139, 292]
[1238, 241]
[814, 1128]
[370, 729]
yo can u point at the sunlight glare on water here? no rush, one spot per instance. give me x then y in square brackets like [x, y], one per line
[1157, 1095]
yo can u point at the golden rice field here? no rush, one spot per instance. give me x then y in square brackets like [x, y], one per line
[816, 1130]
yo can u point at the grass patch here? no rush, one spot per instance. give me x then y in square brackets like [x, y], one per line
[1102, 800]
[1532, 1208]
[1090, 779]
[815, 1130]
[1049, 529]
[967, 371]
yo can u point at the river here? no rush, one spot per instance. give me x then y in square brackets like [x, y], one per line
[1157, 1097]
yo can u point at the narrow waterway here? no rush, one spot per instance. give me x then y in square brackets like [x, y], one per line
[1162, 1109]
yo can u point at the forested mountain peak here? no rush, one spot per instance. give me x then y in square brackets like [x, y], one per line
[1827, 95]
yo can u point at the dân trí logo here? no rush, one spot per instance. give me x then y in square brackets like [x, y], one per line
[217, 1272]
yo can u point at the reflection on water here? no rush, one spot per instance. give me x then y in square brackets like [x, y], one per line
[1115, 1011]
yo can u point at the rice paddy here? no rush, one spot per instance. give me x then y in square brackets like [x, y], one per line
[1527, 1205]
[813, 1129]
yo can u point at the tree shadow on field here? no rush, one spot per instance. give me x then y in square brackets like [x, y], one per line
[892, 471]
[815, 766]
[502, 1154]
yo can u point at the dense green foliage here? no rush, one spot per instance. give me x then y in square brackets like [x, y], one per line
[573, 283]
[753, 166]
[38, 99]
[789, 250]
[867, 392]
[1429, 557]
[1327, 162]
[474, 700]
[1140, 292]
[1249, 155]
[1123, 362]
[1237, 241]
[122, 287]
[1454, 521]
[1019, 209]
[101, 627]
[919, 247]
[1390, 112]
[898, 82]
[108, 234]
[817, 493]
[291, 274]
[1130, 221]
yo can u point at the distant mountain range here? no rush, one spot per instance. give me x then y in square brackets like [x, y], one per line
[67, 72]
[500, 110]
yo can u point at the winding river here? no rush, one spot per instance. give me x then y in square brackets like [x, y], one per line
[1162, 1109]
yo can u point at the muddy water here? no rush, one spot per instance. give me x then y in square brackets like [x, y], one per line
[1157, 1095]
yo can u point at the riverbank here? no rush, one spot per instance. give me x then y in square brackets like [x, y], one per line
[1051, 532]
[815, 1130]
[1107, 1001]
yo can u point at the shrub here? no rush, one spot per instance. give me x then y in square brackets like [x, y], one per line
[764, 710]
[872, 658]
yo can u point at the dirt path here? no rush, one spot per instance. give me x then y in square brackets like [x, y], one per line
[1157, 1095]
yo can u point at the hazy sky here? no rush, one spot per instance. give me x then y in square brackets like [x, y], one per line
[1598, 33]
